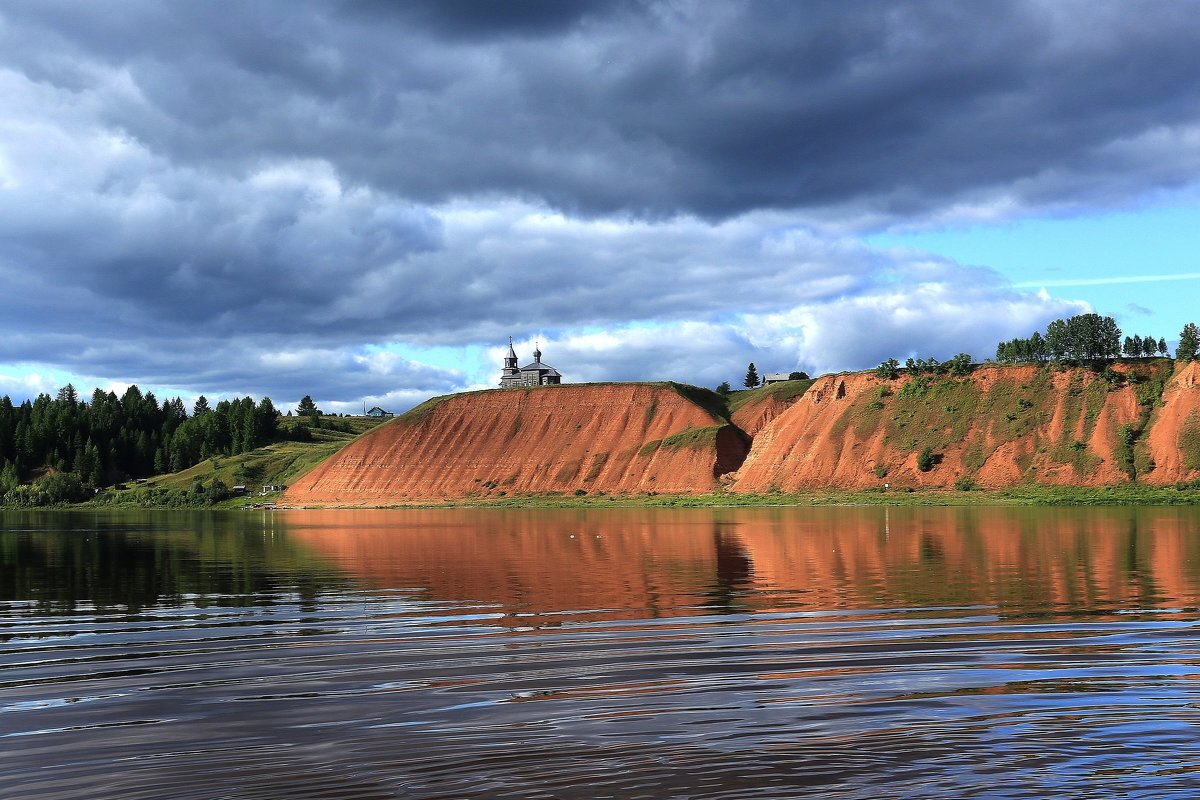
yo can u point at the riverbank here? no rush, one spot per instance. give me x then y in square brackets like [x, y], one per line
[1019, 496]
[1132, 495]
[1023, 495]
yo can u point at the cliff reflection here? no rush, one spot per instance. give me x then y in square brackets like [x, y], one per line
[633, 563]
[654, 562]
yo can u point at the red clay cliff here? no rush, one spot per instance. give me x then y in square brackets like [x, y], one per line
[630, 437]
[998, 426]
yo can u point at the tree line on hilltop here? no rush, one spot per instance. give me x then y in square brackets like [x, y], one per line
[1085, 339]
[1081, 339]
[1090, 338]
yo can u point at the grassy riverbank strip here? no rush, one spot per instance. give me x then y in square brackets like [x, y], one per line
[1133, 495]
[1021, 495]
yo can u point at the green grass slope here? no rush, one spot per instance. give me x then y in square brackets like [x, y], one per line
[278, 463]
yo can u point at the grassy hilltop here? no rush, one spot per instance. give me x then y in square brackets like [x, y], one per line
[278, 463]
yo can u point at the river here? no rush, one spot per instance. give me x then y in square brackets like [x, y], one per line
[627, 653]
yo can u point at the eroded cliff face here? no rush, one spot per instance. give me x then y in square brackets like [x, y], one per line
[1000, 426]
[614, 438]
[1172, 443]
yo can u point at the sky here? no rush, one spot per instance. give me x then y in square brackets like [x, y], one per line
[361, 201]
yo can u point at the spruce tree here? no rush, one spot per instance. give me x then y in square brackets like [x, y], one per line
[751, 376]
[308, 408]
[68, 395]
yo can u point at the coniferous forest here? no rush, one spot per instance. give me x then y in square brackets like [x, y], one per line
[76, 445]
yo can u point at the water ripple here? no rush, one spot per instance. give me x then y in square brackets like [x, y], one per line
[329, 688]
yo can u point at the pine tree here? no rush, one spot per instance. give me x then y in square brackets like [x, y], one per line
[308, 408]
[68, 395]
[89, 468]
[178, 460]
[751, 377]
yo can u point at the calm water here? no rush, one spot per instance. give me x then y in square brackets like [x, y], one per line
[849, 653]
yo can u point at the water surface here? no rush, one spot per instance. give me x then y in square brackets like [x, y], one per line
[850, 653]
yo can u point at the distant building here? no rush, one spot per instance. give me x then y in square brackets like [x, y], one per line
[775, 377]
[535, 374]
[379, 413]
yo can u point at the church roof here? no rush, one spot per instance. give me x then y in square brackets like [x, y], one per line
[538, 366]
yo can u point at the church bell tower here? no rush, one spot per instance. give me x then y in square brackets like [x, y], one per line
[511, 373]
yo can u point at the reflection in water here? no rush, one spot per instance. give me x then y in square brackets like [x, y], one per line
[1021, 560]
[734, 569]
[137, 560]
[857, 653]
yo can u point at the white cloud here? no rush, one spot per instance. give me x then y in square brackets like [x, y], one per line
[936, 319]
[24, 385]
[930, 319]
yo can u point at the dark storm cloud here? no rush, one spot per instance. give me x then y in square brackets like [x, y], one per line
[487, 19]
[655, 109]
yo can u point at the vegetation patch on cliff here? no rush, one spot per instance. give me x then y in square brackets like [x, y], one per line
[568, 471]
[786, 391]
[707, 399]
[689, 439]
[1189, 441]
[598, 462]
[1148, 382]
[693, 438]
